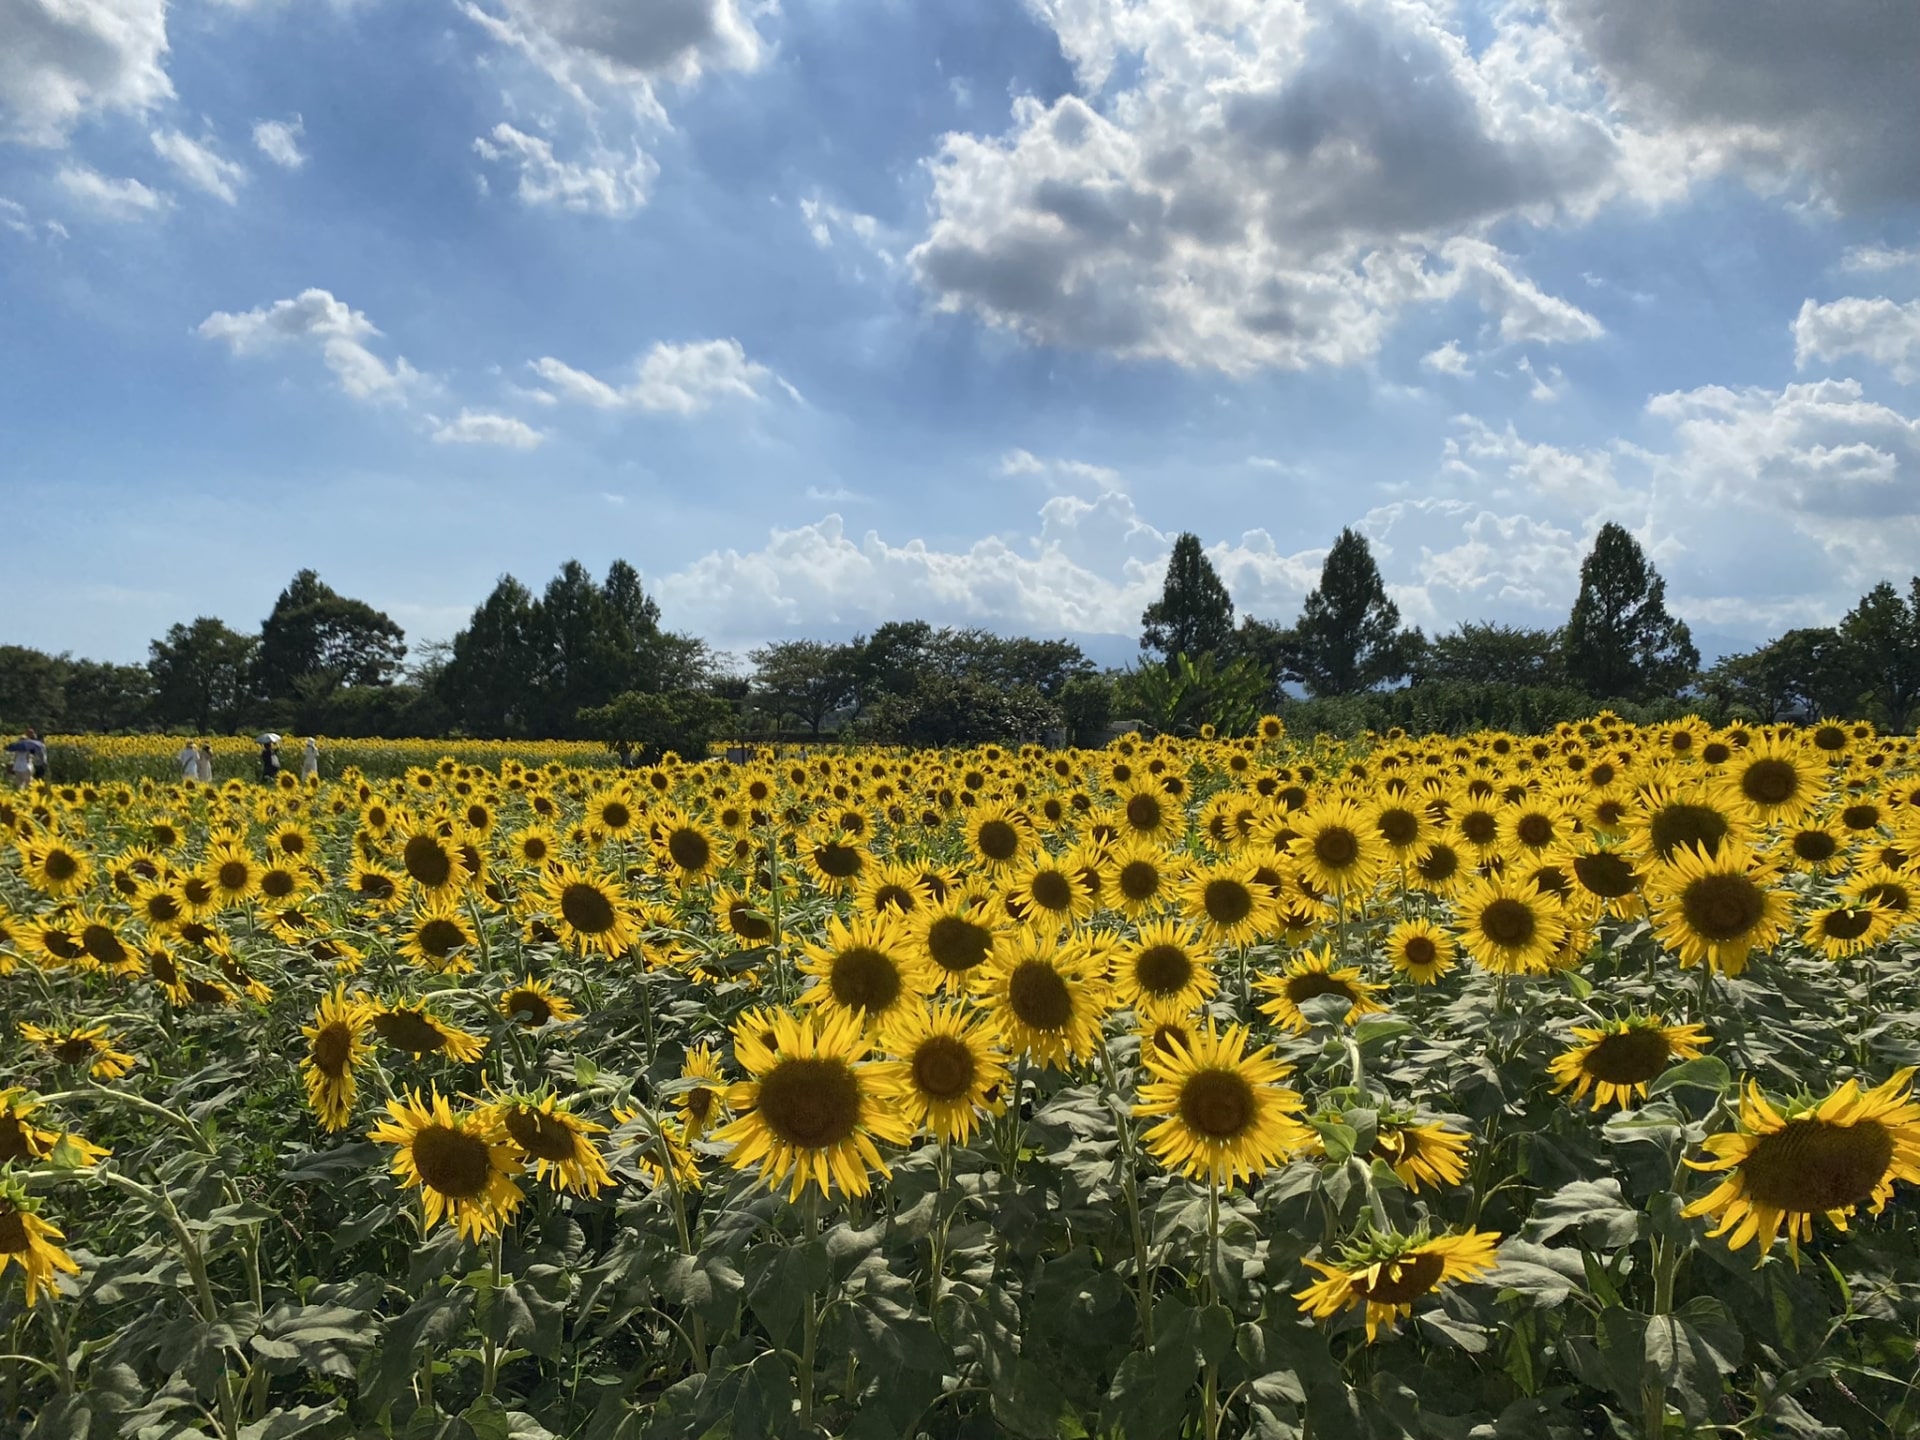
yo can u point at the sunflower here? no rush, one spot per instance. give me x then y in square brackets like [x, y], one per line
[1420, 1154]
[534, 846]
[1838, 931]
[1337, 847]
[864, 969]
[100, 939]
[1886, 889]
[998, 835]
[948, 1071]
[614, 814]
[1509, 928]
[1473, 822]
[89, 1045]
[1049, 891]
[336, 1043]
[431, 859]
[1164, 970]
[463, 1165]
[647, 1146]
[838, 861]
[1310, 977]
[30, 1242]
[1715, 909]
[1668, 821]
[439, 938]
[1386, 1274]
[553, 1140]
[411, 1026]
[683, 848]
[891, 888]
[1048, 998]
[21, 1141]
[1421, 951]
[54, 867]
[1536, 825]
[1619, 1058]
[375, 888]
[293, 843]
[810, 1112]
[1228, 902]
[1603, 879]
[588, 912]
[533, 1004]
[159, 906]
[1774, 780]
[705, 1099]
[1140, 878]
[1223, 1115]
[1825, 1157]
[956, 937]
[1440, 871]
[1148, 812]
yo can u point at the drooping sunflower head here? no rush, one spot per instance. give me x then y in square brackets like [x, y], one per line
[1387, 1274]
[1312, 977]
[1222, 1113]
[554, 1142]
[336, 1046]
[534, 1004]
[412, 1027]
[31, 1243]
[1618, 1059]
[704, 1101]
[93, 1046]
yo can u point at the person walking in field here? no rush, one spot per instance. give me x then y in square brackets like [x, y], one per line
[29, 760]
[310, 761]
[269, 759]
[203, 767]
[189, 762]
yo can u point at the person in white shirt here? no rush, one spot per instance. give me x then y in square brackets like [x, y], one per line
[310, 760]
[204, 769]
[189, 762]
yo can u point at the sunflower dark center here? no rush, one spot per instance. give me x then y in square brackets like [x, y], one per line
[840, 862]
[958, 944]
[233, 874]
[810, 1103]
[1315, 983]
[1770, 781]
[1402, 1281]
[161, 909]
[534, 849]
[615, 815]
[1051, 890]
[998, 840]
[1217, 1104]
[1606, 874]
[374, 886]
[894, 897]
[14, 1239]
[1336, 847]
[1509, 922]
[1722, 907]
[1479, 826]
[943, 1068]
[331, 1048]
[278, 884]
[1227, 902]
[1534, 830]
[1398, 826]
[689, 849]
[428, 861]
[102, 944]
[1845, 924]
[1163, 970]
[1814, 845]
[72, 1050]
[440, 937]
[1888, 896]
[1441, 864]
[699, 1103]
[588, 909]
[1039, 997]
[1860, 817]
[532, 1005]
[60, 866]
[410, 1030]
[453, 1162]
[1631, 1057]
[539, 1134]
[1829, 738]
[1145, 812]
[1419, 951]
[1815, 1165]
[1683, 824]
[1139, 880]
[863, 978]
[292, 842]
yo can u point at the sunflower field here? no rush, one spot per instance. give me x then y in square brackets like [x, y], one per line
[1467, 1088]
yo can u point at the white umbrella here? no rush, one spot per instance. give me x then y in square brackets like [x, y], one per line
[268, 739]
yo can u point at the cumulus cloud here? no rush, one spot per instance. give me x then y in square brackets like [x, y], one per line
[1878, 257]
[1449, 359]
[1826, 91]
[316, 319]
[1274, 187]
[64, 60]
[109, 198]
[279, 141]
[479, 427]
[606, 183]
[1884, 332]
[679, 379]
[1060, 473]
[200, 165]
[583, 43]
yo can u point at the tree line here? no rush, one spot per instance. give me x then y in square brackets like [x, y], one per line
[590, 658]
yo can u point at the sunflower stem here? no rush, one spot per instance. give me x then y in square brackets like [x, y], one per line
[1210, 1397]
[490, 1351]
[1130, 1188]
[810, 1315]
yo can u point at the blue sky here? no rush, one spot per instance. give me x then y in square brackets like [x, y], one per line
[835, 311]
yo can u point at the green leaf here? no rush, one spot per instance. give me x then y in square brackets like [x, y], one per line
[1593, 1207]
[1380, 1027]
[779, 1280]
[1704, 1072]
[765, 1402]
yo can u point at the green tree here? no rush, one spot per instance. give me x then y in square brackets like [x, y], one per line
[1806, 672]
[1194, 614]
[100, 696]
[962, 710]
[1273, 650]
[317, 640]
[1179, 698]
[802, 680]
[1882, 636]
[32, 688]
[1482, 654]
[1086, 705]
[490, 681]
[1348, 637]
[650, 723]
[888, 662]
[1620, 642]
[202, 675]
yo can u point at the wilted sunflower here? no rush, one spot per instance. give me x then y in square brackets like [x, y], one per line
[1228, 902]
[949, 1072]
[1309, 978]
[533, 1003]
[89, 1045]
[865, 968]
[1838, 931]
[553, 1140]
[1714, 909]
[1337, 847]
[1618, 1059]
[336, 1043]
[705, 1100]
[463, 1165]
[1420, 950]
[439, 938]
[1420, 1153]
[1164, 970]
[1508, 927]
[1825, 1157]
[810, 1112]
[587, 911]
[1388, 1273]
[30, 1242]
[1047, 996]
[411, 1026]
[1223, 1115]
[957, 937]
[24, 1143]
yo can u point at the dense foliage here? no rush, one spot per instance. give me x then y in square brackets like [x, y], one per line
[1403, 1087]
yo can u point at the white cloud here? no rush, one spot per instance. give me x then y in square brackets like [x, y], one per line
[279, 141]
[1878, 257]
[1276, 186]
[123, 199]
[18, 220]
[682, 379]
[340, 333]
[605, 184]
[1884, 332]
[64, 60]
[1549, 384]
[199, 165]
[1060, 474]
[479, 427]
[1449, 359]
[584, 43]
[826, 222]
